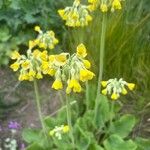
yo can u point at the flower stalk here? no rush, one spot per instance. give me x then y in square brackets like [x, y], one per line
[39, 106]
[101, 60]
[69, 119]
[87, 95]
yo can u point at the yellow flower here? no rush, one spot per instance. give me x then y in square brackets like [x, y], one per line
[36, 41]
[86, 75]
[104, 91]
[51, 58]
[104, 83]
[73, 84]
[52, 132]
[15, 66]
[81, 50]
[116, 4]
[57, 85]
[15, 55]
[104, 8]
[91, 7]
[45, 65]
[44, 55]
[42, 45]
[87, 64]
[114, 96]
[31, 44]
[131, 86]
[51, 72]
[66, 129]
[61, 58]
[26, 64]
[62, 14]
[88, 18]
[56, 41]
[37, 28]
[23, 76]
[36, 53]
[124, 91]
[32, 73]
[39, 75]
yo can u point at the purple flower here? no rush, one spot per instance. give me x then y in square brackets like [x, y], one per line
[22, 147]
[13, 125]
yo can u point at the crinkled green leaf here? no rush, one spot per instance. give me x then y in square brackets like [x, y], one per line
[103, 111]
[123, 126]
[34, 146]
[31, 135]
[115, 142]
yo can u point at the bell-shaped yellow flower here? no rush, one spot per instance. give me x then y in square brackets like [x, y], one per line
[131, 86]
[74, 85]
[86, 75]
[15, 55]
[57, 85]
[81, 50]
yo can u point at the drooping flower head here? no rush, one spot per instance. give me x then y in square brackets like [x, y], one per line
[105, 5]
[45, 40]
[116, 87]
[76, 69]
[58, 131]
[76, 15]
[29, 65]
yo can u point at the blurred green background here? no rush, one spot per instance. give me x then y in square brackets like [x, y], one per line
[127, 39]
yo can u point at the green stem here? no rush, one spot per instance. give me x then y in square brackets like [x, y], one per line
[112, 113]
[69, 119]
[87, 95]
[101, 61]
[39, 106]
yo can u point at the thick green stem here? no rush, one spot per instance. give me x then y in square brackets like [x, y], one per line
[39, 106]
[101, 61]
[87, 95]
[69, 119]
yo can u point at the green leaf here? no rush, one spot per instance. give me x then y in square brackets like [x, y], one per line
[123, 126]
[83, 138]
[115, 142]
[143, 144]
[95, 146]
[4, 34]
[103, 111]
[85, 122]
[34, 146]
[30, 135]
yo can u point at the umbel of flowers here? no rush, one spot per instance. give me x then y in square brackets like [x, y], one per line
[76, 15]
[105, 5]
[74, 70]
[32, 64]
[58, 131]
[45, 40]
[116, 87]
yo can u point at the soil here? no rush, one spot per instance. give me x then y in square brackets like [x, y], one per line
[17, 103]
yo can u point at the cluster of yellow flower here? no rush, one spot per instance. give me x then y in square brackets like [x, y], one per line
[57, 131]
[76, 15]
[105, 5]
[45, 40]
[116, 87]
[64, 67]
[75, 69]
[35, 62]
